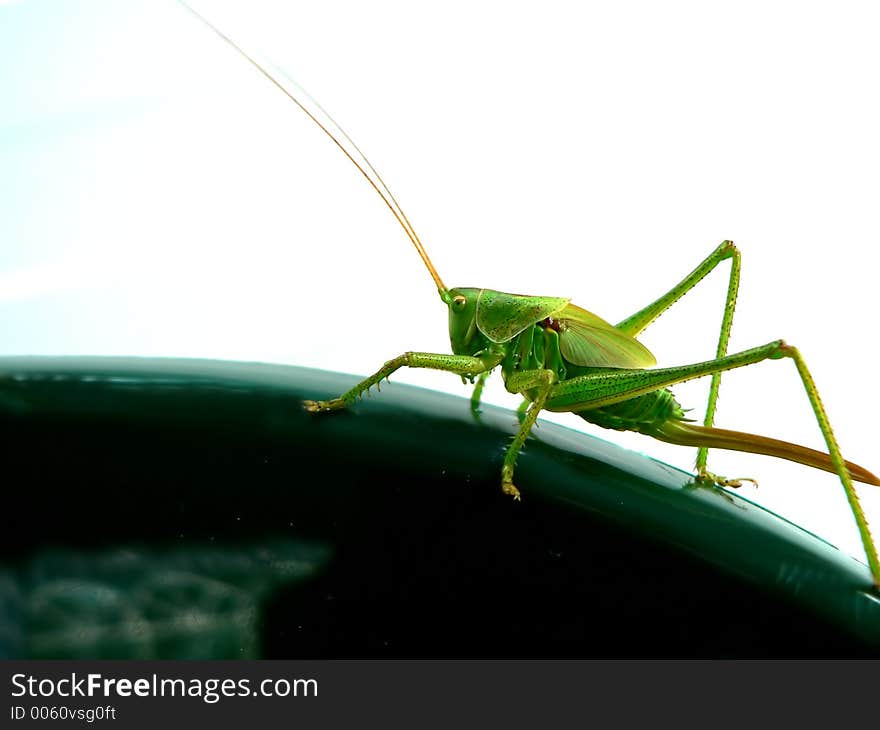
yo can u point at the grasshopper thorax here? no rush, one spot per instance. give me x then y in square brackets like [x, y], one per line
[480, 319]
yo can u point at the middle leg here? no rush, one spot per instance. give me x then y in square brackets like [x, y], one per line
[541, 381]
[641, 319]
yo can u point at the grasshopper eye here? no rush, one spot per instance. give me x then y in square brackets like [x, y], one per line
[459, 301]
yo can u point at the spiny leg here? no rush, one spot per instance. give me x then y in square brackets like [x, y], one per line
[637, 322]
[464, 365]
[838, 461]
[542, 381]
[721, 351]
[641, 319]
[595, 391]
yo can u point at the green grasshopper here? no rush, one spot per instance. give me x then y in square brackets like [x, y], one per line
[561, 358]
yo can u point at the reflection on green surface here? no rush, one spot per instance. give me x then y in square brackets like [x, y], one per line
[193, 602]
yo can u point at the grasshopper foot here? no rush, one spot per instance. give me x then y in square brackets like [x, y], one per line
[508, 488]
[320, 406]
[707, 477]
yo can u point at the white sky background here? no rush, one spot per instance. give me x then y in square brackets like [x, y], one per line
[159, 198]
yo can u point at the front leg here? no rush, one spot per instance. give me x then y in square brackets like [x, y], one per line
[464, 365]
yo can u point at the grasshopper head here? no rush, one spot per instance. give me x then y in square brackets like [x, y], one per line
[464, 336]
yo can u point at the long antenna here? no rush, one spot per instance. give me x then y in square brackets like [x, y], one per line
[354, 152]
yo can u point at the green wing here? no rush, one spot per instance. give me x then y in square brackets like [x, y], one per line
[590, 341]
[501, 316]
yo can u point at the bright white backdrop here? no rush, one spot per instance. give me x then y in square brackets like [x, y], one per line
[157, 197]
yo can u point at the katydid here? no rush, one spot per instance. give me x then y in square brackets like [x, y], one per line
[563, 358]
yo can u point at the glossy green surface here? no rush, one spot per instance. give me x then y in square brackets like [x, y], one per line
[182, 508]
